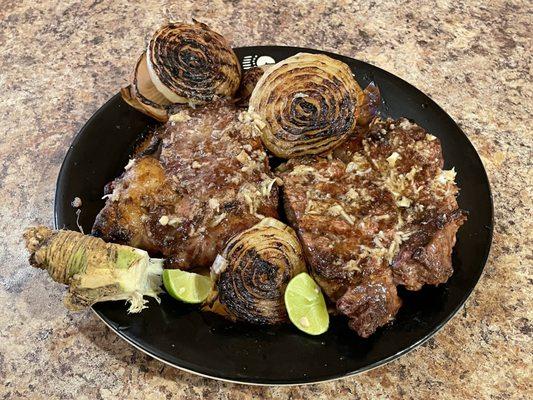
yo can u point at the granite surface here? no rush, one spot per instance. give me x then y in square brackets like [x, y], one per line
[60, 61]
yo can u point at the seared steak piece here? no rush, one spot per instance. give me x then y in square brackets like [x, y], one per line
[426, 257]
[379, 212]
[370, 304]
[347, 223]
[410, 162]
[208, 180]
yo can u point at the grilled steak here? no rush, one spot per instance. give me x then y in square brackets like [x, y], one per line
[411, 161]
[200, 179]
[379, 212]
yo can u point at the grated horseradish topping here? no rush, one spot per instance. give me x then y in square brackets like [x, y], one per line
[337, 210]
[393, 158]
[214, 204]
[218, 219]
[179, 117]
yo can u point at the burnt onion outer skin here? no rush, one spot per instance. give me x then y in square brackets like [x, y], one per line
[305, 104]
[129, 96]
[251, 274]
[143, 95]
[190, 63]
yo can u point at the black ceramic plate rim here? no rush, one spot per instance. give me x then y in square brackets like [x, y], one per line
[303, 381]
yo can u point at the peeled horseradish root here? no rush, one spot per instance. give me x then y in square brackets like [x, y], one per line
[183, 64]
[306, 104]
[250, 276]
[94, 270]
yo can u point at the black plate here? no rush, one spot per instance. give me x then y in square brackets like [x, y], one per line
[208, 345]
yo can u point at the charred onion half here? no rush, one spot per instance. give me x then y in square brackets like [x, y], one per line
[306, 104]
[251, 274]
[190, 63]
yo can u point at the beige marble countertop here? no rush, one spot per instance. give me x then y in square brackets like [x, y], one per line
[60, 61]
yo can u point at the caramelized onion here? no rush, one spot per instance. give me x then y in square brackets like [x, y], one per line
[249, 81]
[190, 63]
[305, 104]
[369, 102]
[251, 274]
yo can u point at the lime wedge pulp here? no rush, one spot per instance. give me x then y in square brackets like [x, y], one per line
[306, 305]
[186, 286]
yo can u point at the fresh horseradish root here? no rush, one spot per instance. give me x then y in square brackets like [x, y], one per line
[94, 270]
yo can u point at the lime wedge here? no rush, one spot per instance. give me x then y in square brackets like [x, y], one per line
[186, 286]
[306, 305]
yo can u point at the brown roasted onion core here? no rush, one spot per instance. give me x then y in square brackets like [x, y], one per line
[369, 102]
[305, 104]
[253, 271]
[249, 81]
[190, 63]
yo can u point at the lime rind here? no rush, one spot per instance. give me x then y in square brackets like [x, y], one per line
[188, 287]
[306, 305]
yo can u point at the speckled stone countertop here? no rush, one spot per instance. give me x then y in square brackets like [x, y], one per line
[60, 61]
